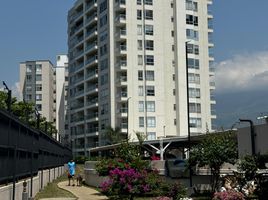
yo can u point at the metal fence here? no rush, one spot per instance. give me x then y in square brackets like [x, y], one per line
[24, 150]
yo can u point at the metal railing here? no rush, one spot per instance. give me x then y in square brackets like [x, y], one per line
[25, 151]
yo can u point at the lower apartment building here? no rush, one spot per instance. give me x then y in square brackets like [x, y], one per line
[127, 69]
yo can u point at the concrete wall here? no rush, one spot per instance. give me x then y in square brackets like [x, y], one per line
[201, 180]
[244, 140]
[48, 176]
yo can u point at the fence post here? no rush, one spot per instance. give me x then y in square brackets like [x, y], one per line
[24, 193]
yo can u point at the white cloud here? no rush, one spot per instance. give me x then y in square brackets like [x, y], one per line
[245, 72]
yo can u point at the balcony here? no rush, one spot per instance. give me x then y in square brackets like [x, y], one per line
[79, 66]
[122, 96]
[92, 60]
[92, 103]
[121, 34]
[122, 49]
[212, 84]
[122, 80]
[93, 116]
[92, 75]
[91, 6]
[123, 112]
[92, 47]
[92, 33]
[79, 53]
[121, 19]
[122, 65]
[92, 19]
[92, 130]
[79, 92]
[79, 79]
[92, 88]
[120, 5]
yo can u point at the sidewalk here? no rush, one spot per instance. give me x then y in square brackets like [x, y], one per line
[82, 192]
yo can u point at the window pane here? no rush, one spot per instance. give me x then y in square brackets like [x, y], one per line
[141, 106]
[141, 121]
[150, 106]
[151, 122]
[149, 29]
[149, 60]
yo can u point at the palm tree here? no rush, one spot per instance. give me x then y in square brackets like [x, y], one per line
[113, 135]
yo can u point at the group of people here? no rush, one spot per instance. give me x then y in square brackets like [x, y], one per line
[71, 174]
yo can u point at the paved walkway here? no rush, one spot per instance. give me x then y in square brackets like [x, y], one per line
[82, 192]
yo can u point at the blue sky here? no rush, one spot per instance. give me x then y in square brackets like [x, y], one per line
[32, 29]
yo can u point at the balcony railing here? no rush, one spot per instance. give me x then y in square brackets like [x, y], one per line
[91, 31]
[123, 47]
[123, 110]
[90, 46]
[89, 5]
[92, 130]
[91, 17]
[92, 59]
[121, 17]
[123, 125]
[79, 92]
[92, 73]
[92, 115]
[92, 87]
[79, 66]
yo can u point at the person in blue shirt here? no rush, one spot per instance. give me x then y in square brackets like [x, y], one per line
[71, 171]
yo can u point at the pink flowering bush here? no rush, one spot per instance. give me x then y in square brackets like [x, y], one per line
[228, 195]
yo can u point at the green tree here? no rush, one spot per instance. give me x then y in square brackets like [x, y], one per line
[213, 151]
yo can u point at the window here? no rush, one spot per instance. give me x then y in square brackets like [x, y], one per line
[192, 34]
[141, 122]
[151, 136]
[140, 75]
[39, 107]
[28, 77]
[29, 68]
[28, 97]
[103, 20]
[149, 75]
[139, 29]
[150, 106]
[139, 15]
[38, 87]
[195, 122]
[174, 91]
[193, 63]
[103, 64]
[151, 122]
[194, 78]
[38, 77]
[172, 19]
[140, 60]
[150, 90]
[149, 60]
[28, 88]
[141, 106]
[38, 97]
[173, 77]
[191, 5]
[149, 44]
[173, 47]
[140, 90]
[149, 29]
[174, 107]
[175, 122]
[38, 68]
[148, 2]
[194, 107]
[171, 5]
[138, 2]
[194, 93]
[190, 19]
[103, 6]
[210, 37]
[149, 14]
[193, 49]
[172, 33]
[139, 44]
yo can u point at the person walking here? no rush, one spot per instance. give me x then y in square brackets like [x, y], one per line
[71, 171]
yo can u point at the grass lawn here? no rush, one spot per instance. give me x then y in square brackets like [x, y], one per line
[52, 189]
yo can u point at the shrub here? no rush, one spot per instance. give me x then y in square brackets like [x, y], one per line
[228, 195]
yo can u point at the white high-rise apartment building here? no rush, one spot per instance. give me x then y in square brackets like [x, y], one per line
[127, 67]
[61, 70]
[37, 86]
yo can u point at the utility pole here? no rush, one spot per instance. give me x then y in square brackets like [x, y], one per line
[8, 100]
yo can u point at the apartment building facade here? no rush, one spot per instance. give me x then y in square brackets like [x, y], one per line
[61, 73]
[127, 69]
[37, 85]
